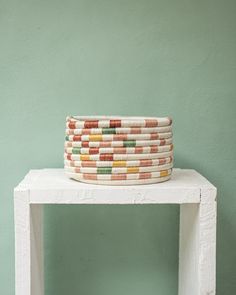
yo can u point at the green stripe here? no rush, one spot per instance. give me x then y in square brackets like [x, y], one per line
[67, 137]
[129, 143]
[76, 150]
[108, 130]
[104, 170]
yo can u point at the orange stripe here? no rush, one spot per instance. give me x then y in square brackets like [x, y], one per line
[119, 164]
[84, 157]
[132, 169]
[95, 137]
[164, 173]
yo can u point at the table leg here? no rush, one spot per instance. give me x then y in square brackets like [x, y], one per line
[197, 249]
[28, 246]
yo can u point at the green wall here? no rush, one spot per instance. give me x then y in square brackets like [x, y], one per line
[130, 57]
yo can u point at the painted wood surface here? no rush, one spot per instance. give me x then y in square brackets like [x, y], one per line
[196, 196]
[51, 186]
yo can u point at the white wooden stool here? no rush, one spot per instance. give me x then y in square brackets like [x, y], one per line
[196, 196]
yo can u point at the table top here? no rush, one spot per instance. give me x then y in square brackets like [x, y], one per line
[52, 186]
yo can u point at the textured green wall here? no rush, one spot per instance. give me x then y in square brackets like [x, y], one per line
[128, 57]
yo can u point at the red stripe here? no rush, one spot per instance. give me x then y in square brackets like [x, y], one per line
[105, 144]
[88, 163]
[93, 150]
[68, 156]
[77, 137]
[90, 176]
[115, 123]
[91, 124]
[162, 161]
[119, 150]
[106, 157]
[85, 144]
[162, 142]
[118, 176]
[154, 136]
[145, 163]
[151, 123]
[72, 125]
[86, 131]
[120, 137]
[145, 175]
[154, 149]
[135, 130]
[138, 150]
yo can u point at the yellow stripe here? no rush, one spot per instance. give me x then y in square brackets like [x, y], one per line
[84, 158]
[119, 164]
[132, 169]
[164, 173]
[95, 137]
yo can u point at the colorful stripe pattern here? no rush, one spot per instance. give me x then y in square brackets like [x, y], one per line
[124, 130]
[119, 182]
[121, 150]
[117, 137]
[120, 143]
[117, 170]
[135, 163]
[78, 122]
[124, 176]
[118, 150]
[116, 157]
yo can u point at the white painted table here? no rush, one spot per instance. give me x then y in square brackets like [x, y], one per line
[196, 196]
